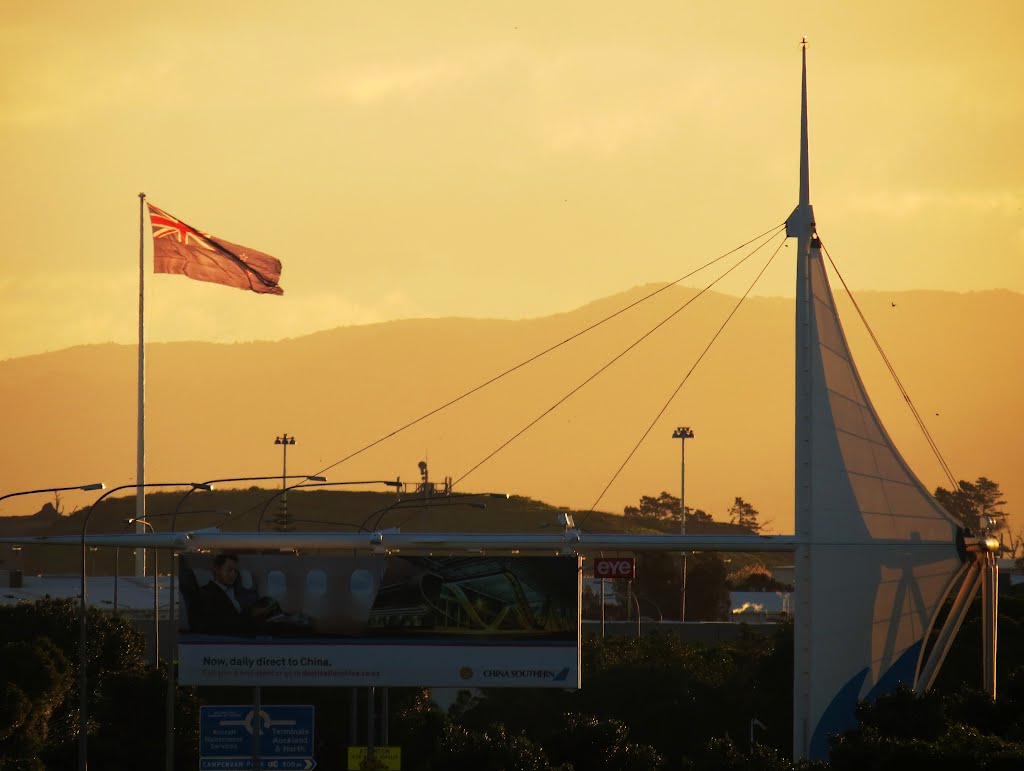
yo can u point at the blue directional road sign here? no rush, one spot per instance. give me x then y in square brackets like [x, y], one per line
[286, 737]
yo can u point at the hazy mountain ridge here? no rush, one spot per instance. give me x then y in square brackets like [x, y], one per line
[214, 409]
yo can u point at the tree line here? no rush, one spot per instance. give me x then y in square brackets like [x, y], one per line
[651, 703]
[664, 508]
[977, 505]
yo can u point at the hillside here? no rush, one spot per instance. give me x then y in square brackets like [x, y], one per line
[214, 410]
[312, 511]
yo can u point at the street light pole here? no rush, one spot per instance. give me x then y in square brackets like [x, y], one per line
[172, 625]
[682, 433]
[117, 557]
[156, 602]
[148, 522]
[93, 486]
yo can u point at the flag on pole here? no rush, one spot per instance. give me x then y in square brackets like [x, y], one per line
[180, 248]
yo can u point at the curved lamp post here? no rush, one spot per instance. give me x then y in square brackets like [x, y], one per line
[117, 556]
[661, 616]
[284, 491]
[88, 487]
[156, 584]
[83, 711]
[210, 482]
[93, 486]
[208, 485]
[448, 500]
[145, 521]
[171, 674]
[421, 506]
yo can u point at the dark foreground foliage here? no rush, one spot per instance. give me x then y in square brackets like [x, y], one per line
[655, 703]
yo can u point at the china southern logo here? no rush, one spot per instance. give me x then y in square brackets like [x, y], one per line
[527, 674]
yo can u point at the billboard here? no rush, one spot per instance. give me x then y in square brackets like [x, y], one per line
[383, 620]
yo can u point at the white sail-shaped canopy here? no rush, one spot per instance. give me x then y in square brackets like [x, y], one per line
[879, 555]
[882, 553]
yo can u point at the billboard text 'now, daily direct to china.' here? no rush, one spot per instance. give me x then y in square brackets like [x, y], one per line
[254, 619]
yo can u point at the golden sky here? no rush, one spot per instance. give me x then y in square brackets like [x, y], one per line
[505, 159]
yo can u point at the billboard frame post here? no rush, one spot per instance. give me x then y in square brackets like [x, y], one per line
[257, 727]
[353, 716]
[371, 728]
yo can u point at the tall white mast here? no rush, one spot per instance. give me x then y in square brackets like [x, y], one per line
[801, 226]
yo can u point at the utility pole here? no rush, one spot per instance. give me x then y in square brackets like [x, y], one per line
[682, 433]
[283, 522]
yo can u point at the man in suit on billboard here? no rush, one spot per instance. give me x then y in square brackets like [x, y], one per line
[226, 606]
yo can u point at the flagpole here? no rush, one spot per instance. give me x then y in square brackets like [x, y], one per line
[140, 455]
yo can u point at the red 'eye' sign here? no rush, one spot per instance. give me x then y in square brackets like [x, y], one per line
[614, 567]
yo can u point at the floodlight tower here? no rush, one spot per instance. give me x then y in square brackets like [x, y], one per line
[682, 433]
[283, 523]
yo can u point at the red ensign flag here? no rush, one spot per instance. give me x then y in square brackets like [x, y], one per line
[179, 248]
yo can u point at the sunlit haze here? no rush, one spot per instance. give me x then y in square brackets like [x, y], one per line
[509, 160]
[504, 160]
